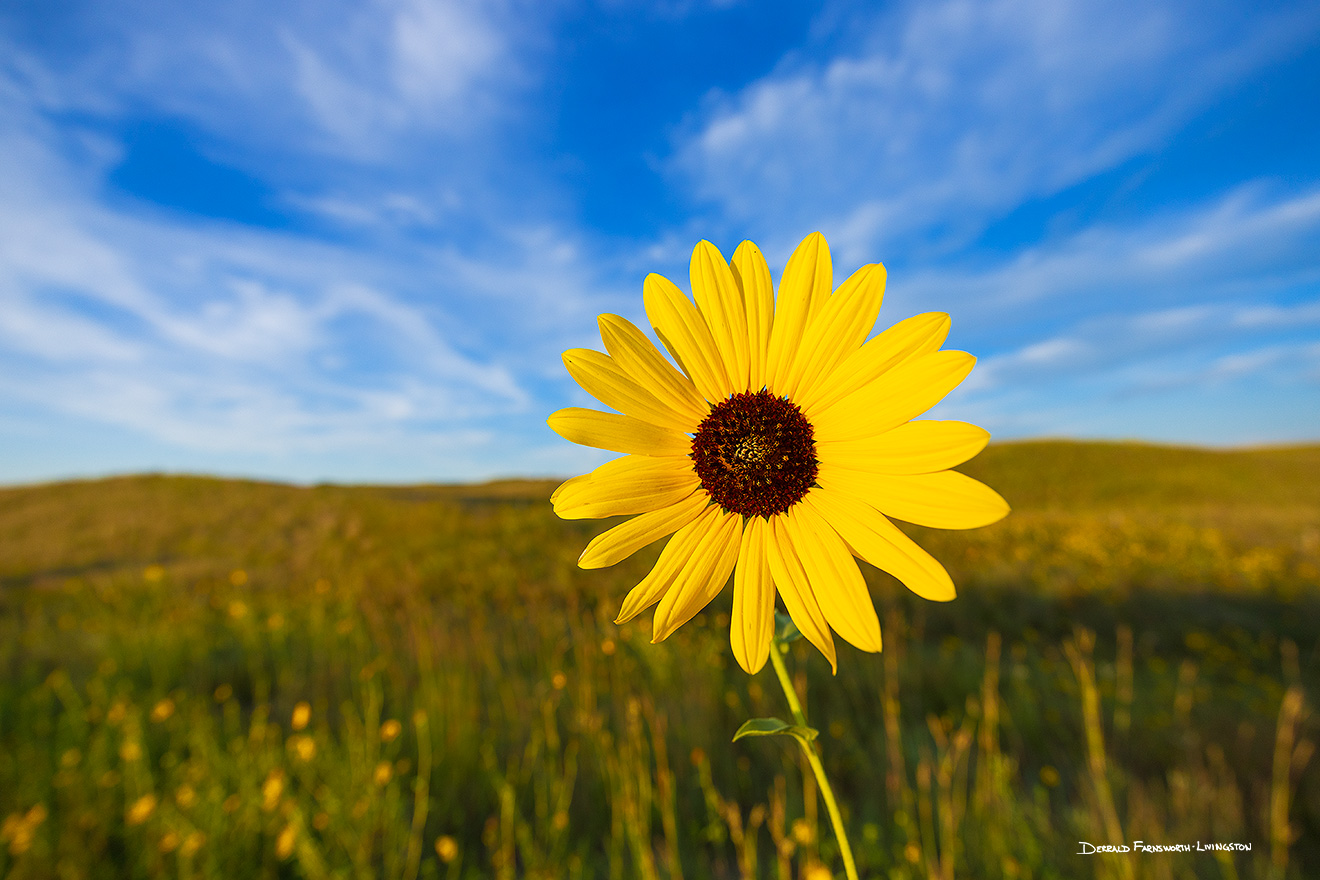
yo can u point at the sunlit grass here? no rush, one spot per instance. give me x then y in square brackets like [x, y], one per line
[208, 678]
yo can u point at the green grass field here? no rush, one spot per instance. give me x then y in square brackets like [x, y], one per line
[225, 679]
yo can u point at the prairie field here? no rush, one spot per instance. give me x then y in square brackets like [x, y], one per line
[208, 678]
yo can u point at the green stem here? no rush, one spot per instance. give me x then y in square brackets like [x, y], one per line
[813, 757]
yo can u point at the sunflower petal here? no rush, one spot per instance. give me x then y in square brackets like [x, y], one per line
[677, 553]
[721, 304]
[791, 580]
[909, 338]
[753, 623]
[687, 336]
[899, 395]
[942, 500]
[805, 285]
[838, 329]
[618, 433]
[627, 538]
[758, 291]
[911, 448]
[600, 377]
[635, 354]
[632, 484]
[835, 577]
[879, 542]
[704, 574]
[569, 484]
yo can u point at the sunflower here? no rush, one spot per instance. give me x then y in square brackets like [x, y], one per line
[778, 449]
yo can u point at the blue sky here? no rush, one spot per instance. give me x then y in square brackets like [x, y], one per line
[349, 241]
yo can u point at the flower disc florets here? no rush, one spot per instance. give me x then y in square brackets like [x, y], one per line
[755, 454]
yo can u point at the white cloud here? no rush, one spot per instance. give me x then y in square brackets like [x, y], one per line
[1091, 336]
[1107, 346]
[357, 80]
[954, 112]
[1248, 244]
[217, 337]
[440, 49]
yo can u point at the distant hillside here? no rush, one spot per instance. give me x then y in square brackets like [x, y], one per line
[76, 528]
[1061, 473]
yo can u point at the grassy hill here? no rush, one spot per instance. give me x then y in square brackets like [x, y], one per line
[1060, 473]
[63, 528]
[222, 678]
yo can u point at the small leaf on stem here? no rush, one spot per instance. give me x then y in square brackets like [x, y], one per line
[785, 629]
[776, 727]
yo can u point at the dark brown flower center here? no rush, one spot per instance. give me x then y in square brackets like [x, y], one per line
[755, 454]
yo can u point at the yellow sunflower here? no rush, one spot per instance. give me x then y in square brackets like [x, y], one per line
[777, 450]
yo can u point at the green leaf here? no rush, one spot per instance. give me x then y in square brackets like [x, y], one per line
[785, 629]
[775, 727]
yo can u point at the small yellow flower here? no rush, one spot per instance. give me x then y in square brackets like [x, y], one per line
[607, 647]
[169, 842]
[162, 710]
[817, 871]
[559, 680]
[302, 713]
[802, 832]
[192, 843]
[390, 730]
[118, 709]
[912, 853]
[238, 609]
[141, 810]
[70, 758]
[130, 751]
[284, 843]
[384, 771]
[777, 451]
[271, 790]
[446, 848]
[18, 829]
[321, 821]
[304, 747]
[185, 797]
[18, 835]
[238, 577]
[153, 573]
[223, 693]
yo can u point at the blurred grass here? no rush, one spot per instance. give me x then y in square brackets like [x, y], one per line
[1133, 653]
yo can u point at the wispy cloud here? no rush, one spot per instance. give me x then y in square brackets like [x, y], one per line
[359, 73]
[953, 112]
[214, 336]
[1085, 334]
[1250, 247]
